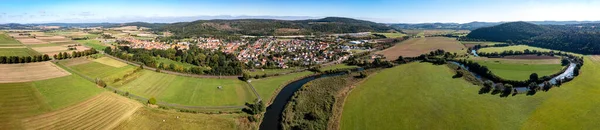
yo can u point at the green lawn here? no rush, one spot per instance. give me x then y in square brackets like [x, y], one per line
[521, 71]
[267, 86]
[190, 91]
[96, 44]
[425, 96]
[65, 91]
[7, 40]
[338, 66]
[17, 52]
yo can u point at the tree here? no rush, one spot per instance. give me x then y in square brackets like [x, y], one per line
[152, 101]
[533, 77]
[45, 57]
[564, 62]
[508, 88]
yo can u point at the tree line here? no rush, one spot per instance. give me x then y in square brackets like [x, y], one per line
[218, 62]
[74, 54]
[23, 59]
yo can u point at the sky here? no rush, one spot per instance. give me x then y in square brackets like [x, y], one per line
[383, 11]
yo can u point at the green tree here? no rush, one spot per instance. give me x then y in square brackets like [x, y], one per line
[533, 77]
[152, 100]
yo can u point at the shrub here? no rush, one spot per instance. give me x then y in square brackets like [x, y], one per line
[152, 100]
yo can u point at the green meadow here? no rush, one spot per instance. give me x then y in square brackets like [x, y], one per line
[425, 96]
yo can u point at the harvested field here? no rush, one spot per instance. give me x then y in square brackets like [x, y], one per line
[104, 111]
[52, 38]
[79, 48]
[50, 49]
[417, 46]
[30, 72]
[75, 61]
[146, 119]
[110, 62]
[30, 41]
[595, 58]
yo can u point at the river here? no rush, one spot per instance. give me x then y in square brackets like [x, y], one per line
[272, 118]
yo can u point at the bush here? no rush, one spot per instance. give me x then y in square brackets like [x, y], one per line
[152, 101]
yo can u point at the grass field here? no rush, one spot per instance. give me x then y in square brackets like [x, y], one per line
[93, 44]
[110, 62]
[102, 71]
[521, 71]
[338, 66]
[261, 72]
[20, 100]
[472, 44]
[17, 51]
[425, 96]
[146, 118]
[392, 35]
[514, 48]
[7, 40]
[417, 46]
[190, 91]
[267, 86]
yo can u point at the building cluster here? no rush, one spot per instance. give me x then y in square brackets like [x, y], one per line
[149, 45]
[282, 52]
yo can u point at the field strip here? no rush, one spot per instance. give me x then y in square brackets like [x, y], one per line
[30, 72]
[13, 47]
[104, 111]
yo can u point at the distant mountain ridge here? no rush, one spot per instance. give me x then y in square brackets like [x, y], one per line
[476, 25]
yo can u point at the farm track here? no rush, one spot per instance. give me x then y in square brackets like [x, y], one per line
[103, 111]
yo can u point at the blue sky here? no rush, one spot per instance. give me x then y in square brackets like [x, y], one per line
[387, 11]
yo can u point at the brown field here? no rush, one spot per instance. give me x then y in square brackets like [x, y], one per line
[146, 119]
[30, 72]
[50, 49]
[16, 35]
[417, 46]
[53, 39]
[30, 41]
[104, 111]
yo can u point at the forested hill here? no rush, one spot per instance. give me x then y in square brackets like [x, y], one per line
[579, 38]
[268, 27]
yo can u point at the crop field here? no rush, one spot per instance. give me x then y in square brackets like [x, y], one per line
[417, 46]
[190, 91]
[104, 111]
[50, 49]
[17, 51]
[30, 72]
[30, 41]
[521, 71]
[25, 99]
[266, 87]
[102, 71]
[392, 35]
[93, 44]
[53, 39]
[145, 119]
[425, 96]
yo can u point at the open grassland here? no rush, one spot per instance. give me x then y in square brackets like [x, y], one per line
[392, 35]
[517, 60]
[96, 44]
[25, 99]
[425, 96]
[266, 87]
[104, 111]
[100, 69]
[520, 71]
[7, 40]
[473, 43]
[514, 48]
[417, 46]
[110, 62]
[17, 51]
[146, 118]
[261, 72]
[30, 72]
[190, 91]
[338, 66]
